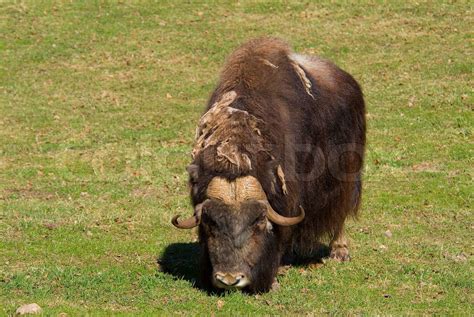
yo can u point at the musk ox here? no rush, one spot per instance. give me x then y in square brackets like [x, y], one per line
[276, 164]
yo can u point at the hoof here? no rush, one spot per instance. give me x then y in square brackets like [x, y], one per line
[275, 285]
[340, 254]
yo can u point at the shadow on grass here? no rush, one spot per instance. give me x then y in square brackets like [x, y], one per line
[181, 260]
[317, 257]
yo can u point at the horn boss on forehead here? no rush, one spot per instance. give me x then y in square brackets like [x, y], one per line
[238, 190]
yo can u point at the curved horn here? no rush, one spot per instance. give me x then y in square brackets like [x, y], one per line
[190, 222]
[275, 217]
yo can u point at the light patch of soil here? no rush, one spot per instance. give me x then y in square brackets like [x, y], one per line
[425, 167]
[26, 193]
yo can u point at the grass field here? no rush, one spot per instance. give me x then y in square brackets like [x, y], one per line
[98, 106]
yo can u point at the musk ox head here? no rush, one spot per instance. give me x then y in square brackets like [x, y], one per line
[236, 228]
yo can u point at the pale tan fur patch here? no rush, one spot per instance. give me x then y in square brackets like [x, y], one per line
[225, 127]
[231, 153]
[281, 175]
[268, 63]
[210, 120]
[318, 68]
[304, 79]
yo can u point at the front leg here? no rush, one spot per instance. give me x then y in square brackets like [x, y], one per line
[339, 248]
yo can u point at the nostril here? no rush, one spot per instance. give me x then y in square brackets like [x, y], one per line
[229, 279]
[219, 277]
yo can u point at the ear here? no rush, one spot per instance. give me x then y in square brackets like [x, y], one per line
[193, 171]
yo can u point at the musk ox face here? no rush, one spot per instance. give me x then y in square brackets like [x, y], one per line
[238, 230]
[240, 245]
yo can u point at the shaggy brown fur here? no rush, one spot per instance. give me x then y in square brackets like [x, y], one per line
[297, 124]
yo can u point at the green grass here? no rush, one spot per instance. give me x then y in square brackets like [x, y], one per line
[98, 107]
